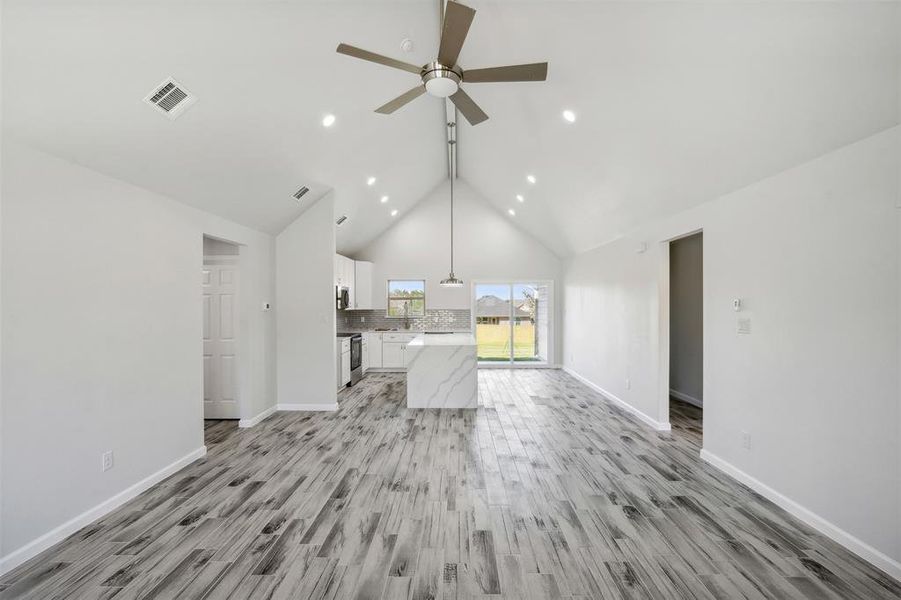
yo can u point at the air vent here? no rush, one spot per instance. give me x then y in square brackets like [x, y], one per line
[170, 98]
[341, 219]
[300, 193]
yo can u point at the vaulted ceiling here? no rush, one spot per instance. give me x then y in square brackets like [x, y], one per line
[676, 102]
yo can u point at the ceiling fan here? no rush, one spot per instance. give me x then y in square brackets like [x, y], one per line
[442, 77]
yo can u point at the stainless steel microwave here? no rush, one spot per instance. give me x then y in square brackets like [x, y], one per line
[342, 297]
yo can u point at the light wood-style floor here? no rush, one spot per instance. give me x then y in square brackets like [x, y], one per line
[548, 491]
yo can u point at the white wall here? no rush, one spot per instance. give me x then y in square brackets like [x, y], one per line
[102, 338]
[305, 259]
[487, 246]
[813, 252]
[686, 357]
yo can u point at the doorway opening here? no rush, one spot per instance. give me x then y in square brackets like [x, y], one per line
[221, 319]
[686, 336]
[512, 322]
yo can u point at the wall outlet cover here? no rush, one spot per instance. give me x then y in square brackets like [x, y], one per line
[107, 460]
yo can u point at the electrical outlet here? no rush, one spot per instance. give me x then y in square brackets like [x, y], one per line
[362, 319]
[107, 460]
[745, 440]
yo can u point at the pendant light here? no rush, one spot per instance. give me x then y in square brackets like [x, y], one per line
[451, 281]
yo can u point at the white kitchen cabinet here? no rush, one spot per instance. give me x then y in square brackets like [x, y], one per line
[343, 361]
[365, 358]
[394, 349]
[362, 296]
[393, 355]
[375, 349]
[344, 275]
[345, 368]
[337, 268]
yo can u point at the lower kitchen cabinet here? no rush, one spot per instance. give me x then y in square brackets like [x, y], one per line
[365, 358]
[393, 355]
[374, 341]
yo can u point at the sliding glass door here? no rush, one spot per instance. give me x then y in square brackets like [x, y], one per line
[512, 321]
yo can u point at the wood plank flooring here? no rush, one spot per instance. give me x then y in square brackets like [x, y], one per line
[547, 491]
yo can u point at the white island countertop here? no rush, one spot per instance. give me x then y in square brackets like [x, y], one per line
[443, 339]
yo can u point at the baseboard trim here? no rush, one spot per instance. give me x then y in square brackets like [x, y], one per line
[245, 423]
[522, 365]
[309, 407]
[659, 426]
[58, 534]
[686, 398]
[873, 556]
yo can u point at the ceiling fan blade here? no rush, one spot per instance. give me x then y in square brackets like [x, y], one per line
[468, 107]
[377, 58]
[530, 72]
[457, 19]
[409, 96]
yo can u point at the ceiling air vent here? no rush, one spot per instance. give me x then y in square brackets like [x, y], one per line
[341, 219]
[170, 98]
[300, 193]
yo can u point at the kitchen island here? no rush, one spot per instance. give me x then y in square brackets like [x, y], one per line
[441, 371]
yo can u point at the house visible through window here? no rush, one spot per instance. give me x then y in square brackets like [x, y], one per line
[406, 298]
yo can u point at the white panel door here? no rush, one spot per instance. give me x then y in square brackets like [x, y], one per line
[220, 332]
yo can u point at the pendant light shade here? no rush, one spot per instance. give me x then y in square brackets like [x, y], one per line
[451, 281]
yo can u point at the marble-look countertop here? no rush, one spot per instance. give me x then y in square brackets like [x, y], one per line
[402, 330]
[442, 371]
[444, 339]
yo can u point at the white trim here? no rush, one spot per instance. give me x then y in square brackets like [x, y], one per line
[58, 534]
[310, 407]
[659, 426]
[873, 556]
[518, 365]
[686, 398]
[244, 423]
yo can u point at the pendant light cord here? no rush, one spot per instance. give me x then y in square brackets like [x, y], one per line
[450, 161]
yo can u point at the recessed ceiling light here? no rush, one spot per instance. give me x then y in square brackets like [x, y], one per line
[569, 116]
[394, 213]
[530, 178]
[511, 212]
[384, 199]
[370, 181]
[328, 120]
[520, 198]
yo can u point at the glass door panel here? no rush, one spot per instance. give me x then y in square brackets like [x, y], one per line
[492, 311]
[525, 339]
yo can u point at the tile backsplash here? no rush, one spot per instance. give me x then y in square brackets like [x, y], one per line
[436, 319]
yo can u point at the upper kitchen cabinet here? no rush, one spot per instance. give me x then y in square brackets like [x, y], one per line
[356, 276]
[344, 272]
[362, 295]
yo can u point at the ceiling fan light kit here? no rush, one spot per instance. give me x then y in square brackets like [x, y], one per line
[440, 81]
[443, 77]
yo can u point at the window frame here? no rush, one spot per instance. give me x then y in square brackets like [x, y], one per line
[389, 297]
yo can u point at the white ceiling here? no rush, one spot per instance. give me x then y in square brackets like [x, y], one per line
[676, 102]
